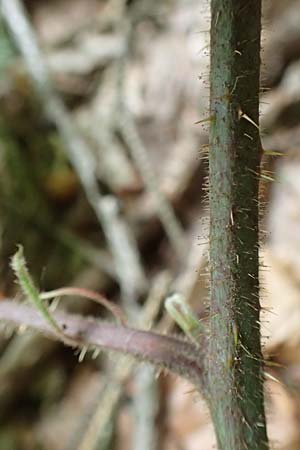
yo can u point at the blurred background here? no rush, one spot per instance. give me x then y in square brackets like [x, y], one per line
[103, 180]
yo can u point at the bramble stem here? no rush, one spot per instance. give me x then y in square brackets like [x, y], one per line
[235, 371]
[165, 352]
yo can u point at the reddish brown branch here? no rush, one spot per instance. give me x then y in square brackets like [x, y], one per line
[91, 295]
[172, 353]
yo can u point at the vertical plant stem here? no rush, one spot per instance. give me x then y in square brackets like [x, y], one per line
[235, 367]
[146, 406]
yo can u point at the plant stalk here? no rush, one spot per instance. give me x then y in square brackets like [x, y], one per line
[235, 367]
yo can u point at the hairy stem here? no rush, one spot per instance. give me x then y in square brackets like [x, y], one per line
[235, 367]
[166, 352]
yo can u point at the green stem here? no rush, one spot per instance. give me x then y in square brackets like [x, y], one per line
[235, 367]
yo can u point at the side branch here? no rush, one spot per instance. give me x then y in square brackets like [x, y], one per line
[165, 352]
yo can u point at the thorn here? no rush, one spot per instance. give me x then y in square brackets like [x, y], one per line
[272, 378]
[82, 354]
[273, 153]
[207, 119]
[96, 353]
[243, 115]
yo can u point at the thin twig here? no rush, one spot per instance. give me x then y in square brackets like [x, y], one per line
[146, 406]
[86, 293]
[127, 127]
[165, 211]
[121, 241]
